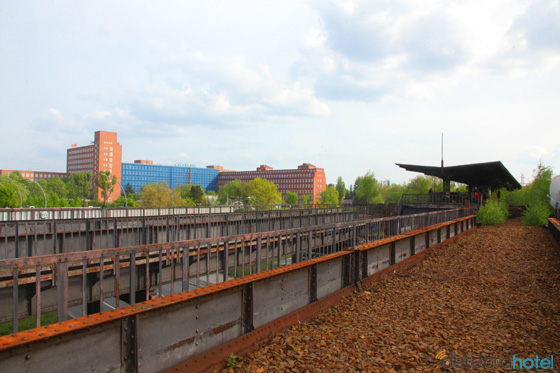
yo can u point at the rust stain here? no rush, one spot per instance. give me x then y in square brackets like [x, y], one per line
[226, 326]
[177, 345]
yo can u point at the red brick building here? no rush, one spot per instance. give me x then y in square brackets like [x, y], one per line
[305, 180]
[35, 175]
[103, 154]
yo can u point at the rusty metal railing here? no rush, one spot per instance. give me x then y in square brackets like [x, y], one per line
[44, 237]
[128, 275]
[24, 214]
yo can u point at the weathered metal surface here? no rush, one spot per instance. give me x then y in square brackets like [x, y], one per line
[402, 249]
[279, 296]
[329, 277]
[93, 350]
[176, 333]
[379, 259]
[169, 328]
[205, 262]
[216, 356]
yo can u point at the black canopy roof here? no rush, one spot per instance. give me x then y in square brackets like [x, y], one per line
[492, 174]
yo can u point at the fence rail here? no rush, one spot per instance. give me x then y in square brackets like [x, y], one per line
[128, 275]
[44, 237]
[438, 198]
[14, 214]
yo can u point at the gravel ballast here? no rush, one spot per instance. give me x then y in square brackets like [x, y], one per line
[494, 292]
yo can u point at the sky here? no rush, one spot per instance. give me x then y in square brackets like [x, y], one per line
[349, 86]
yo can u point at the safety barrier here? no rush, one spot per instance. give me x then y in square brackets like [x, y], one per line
[44, 237]
[25, 214]
[163, 332]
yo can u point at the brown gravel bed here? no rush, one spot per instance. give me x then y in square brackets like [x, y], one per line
[493, 292]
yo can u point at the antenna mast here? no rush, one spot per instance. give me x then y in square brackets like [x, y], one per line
[442, 150]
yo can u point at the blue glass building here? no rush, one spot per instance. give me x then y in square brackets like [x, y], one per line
[140, 174]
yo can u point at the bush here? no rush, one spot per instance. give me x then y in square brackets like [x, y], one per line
[492, 213]
[536, 214]
[513, 198]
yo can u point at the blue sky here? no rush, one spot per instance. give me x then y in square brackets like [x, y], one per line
[349, 86]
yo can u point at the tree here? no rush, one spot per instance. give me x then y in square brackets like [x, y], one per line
[291, 198]
[161, 195]
[197, 193]
[330, 196]
[185, 191]
[37, 193]
[263, 192]
[423, 185]
[233, 193]
[56, 185]
[341, 188]
[210, 198]
[81, 184]
[76, 202]
[129, 190]
[121, 202]
[537, 191]
[306, 200]
[105, 182]
[366, 189]
[9, 194]
[390, 193]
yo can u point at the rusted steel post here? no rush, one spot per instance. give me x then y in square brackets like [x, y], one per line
[62, 290]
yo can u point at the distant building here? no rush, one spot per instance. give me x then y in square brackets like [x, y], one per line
[35, 175]
[103, 154]
[142, 172]
[305, 180]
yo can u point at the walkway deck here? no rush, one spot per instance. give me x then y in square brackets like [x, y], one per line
[494, 292]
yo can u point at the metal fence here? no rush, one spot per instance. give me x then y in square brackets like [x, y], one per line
[14, 214]
[45, 237]
[438, 198]
[88, 280]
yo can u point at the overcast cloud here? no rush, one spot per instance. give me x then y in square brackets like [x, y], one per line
[350, 86]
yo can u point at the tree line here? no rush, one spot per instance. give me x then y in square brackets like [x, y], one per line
[75, 191]
[15, 191]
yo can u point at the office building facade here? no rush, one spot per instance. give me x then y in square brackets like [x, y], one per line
[140, 173]
[103, 154]
[307, 179]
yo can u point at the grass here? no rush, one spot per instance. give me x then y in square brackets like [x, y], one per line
[28, 323]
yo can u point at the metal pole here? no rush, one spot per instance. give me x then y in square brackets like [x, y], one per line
[124, 191]
[44, 195]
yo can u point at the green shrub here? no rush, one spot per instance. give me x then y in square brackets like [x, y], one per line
[513, 198]
[536, 215]
[492, 213]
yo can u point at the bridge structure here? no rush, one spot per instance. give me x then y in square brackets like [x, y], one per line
[175, 300]
[72, 233]
[35, 232]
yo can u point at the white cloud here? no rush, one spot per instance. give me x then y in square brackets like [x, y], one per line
[538, 152]
[100, 115]
[348, 85]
